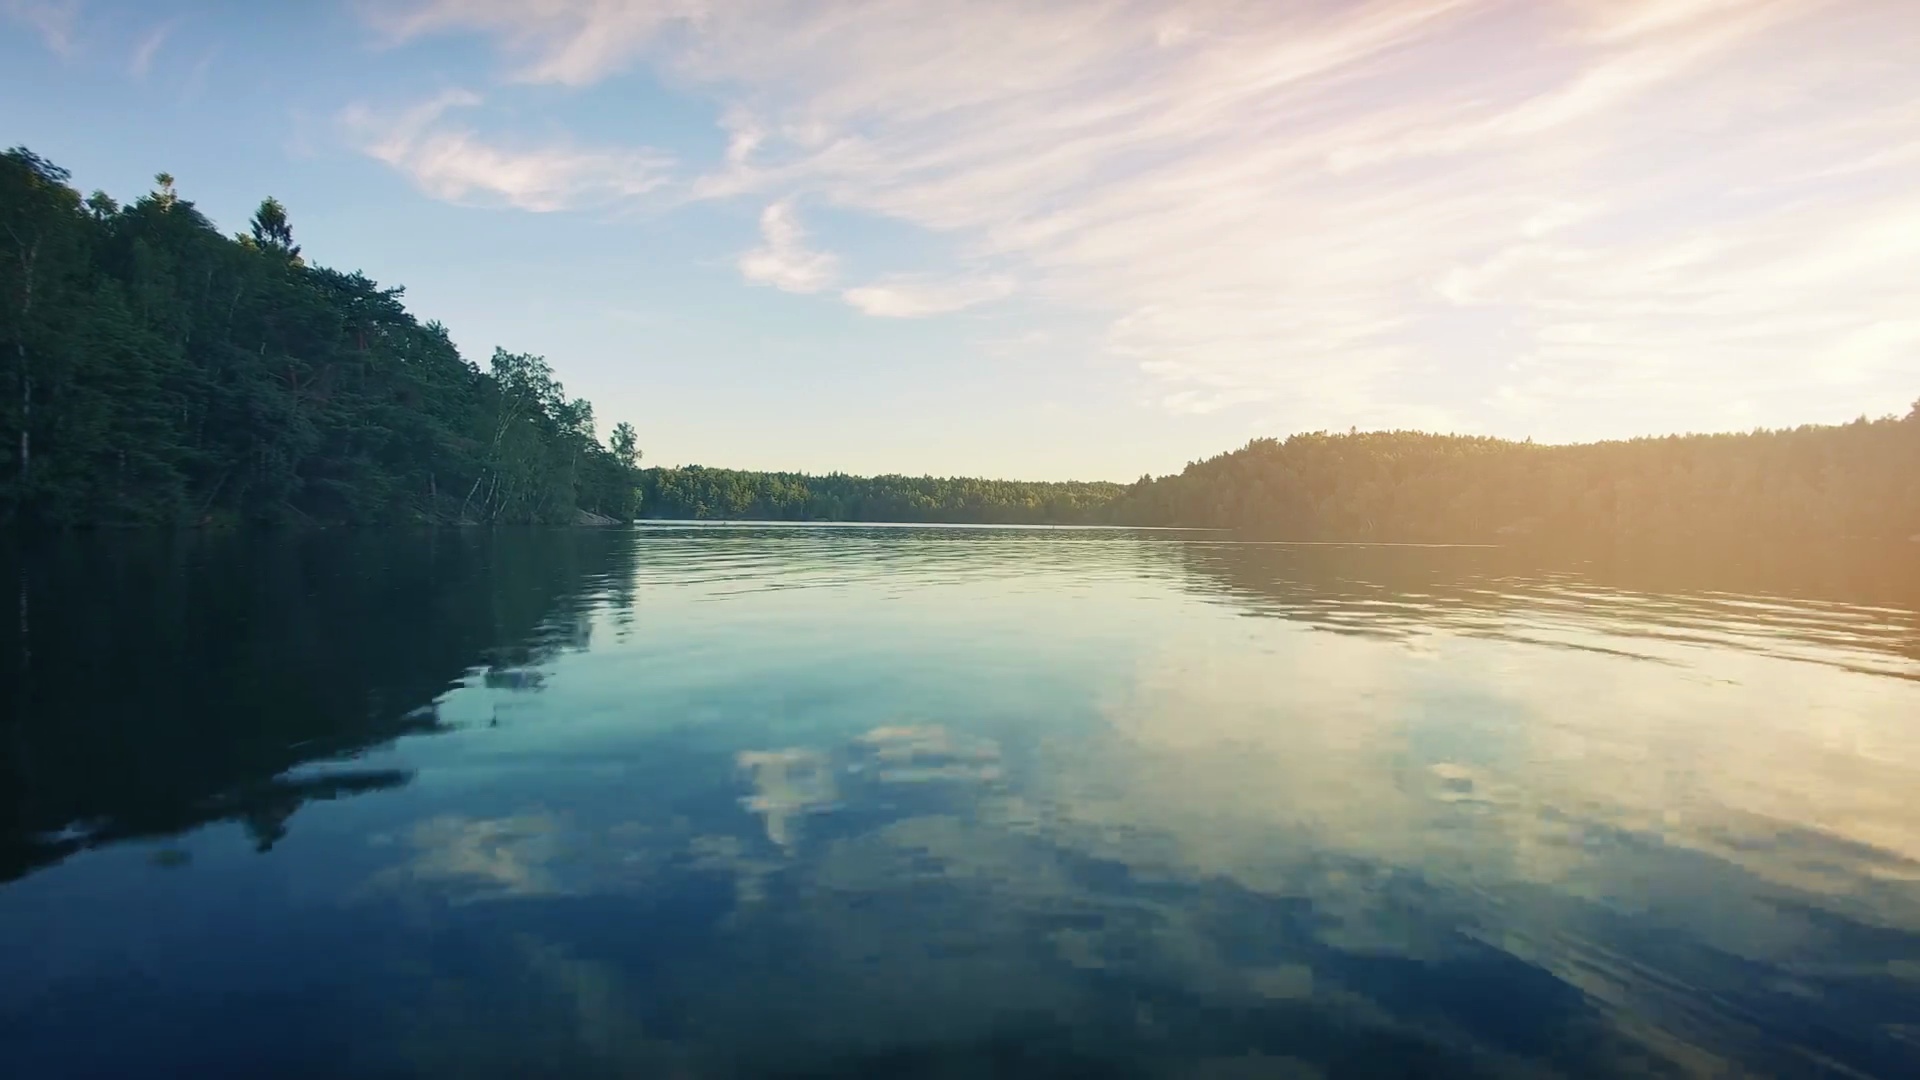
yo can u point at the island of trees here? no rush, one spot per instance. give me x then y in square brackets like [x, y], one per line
[158, 372]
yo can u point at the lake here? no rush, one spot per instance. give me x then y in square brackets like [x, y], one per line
[842, 801]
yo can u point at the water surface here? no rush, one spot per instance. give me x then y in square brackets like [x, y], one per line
[742, 801]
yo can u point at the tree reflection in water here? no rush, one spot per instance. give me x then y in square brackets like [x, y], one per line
[163, 684]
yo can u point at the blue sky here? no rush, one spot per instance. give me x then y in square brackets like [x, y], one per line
[1092, 238]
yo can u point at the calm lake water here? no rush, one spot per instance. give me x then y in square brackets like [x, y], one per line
[690, 802]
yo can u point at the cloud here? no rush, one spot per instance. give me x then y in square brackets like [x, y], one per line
[1201, 770]
[1516, 217]
[782, 260]
[554, 42]
[149, 47]
[56, 21]
[196, 81]
[459, 165]
[916, 297]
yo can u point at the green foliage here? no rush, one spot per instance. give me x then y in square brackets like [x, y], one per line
[270, 230]
[696, 493]
[1806, 484]
[625, 444]
[154, 371]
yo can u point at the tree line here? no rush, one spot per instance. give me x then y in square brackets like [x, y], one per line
[695, 493]
[154, 371]
[1812, 483]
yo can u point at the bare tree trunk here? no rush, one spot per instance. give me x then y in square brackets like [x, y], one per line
[213, 493]
[469, 499]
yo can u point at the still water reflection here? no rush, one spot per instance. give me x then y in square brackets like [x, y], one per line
[834, 802]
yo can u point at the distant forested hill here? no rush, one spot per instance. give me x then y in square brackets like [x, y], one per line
[1805, 484]
[154, 371]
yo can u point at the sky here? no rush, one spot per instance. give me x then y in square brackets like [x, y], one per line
[1075, 239]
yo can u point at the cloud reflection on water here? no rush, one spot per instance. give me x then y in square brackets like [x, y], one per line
[1496, 825]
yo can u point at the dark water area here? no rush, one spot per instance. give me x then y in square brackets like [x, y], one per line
[842, 801]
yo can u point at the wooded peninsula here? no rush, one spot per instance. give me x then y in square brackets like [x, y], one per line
[161, 373]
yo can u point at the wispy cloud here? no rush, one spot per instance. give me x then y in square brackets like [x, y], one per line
[56, 21]
[783, 259]
[195, 83]
[567, 42]
[1542, 213]
[149, 47]
[457, 164]
[914, 297]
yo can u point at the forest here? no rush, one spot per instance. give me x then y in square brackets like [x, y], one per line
[1806, 484]
[695, 493]
[1815, 483]
[158, 372]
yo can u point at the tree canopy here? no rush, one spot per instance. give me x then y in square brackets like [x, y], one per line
[696, 493]
[1857, 480]
[155, 371]
[159, 372]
